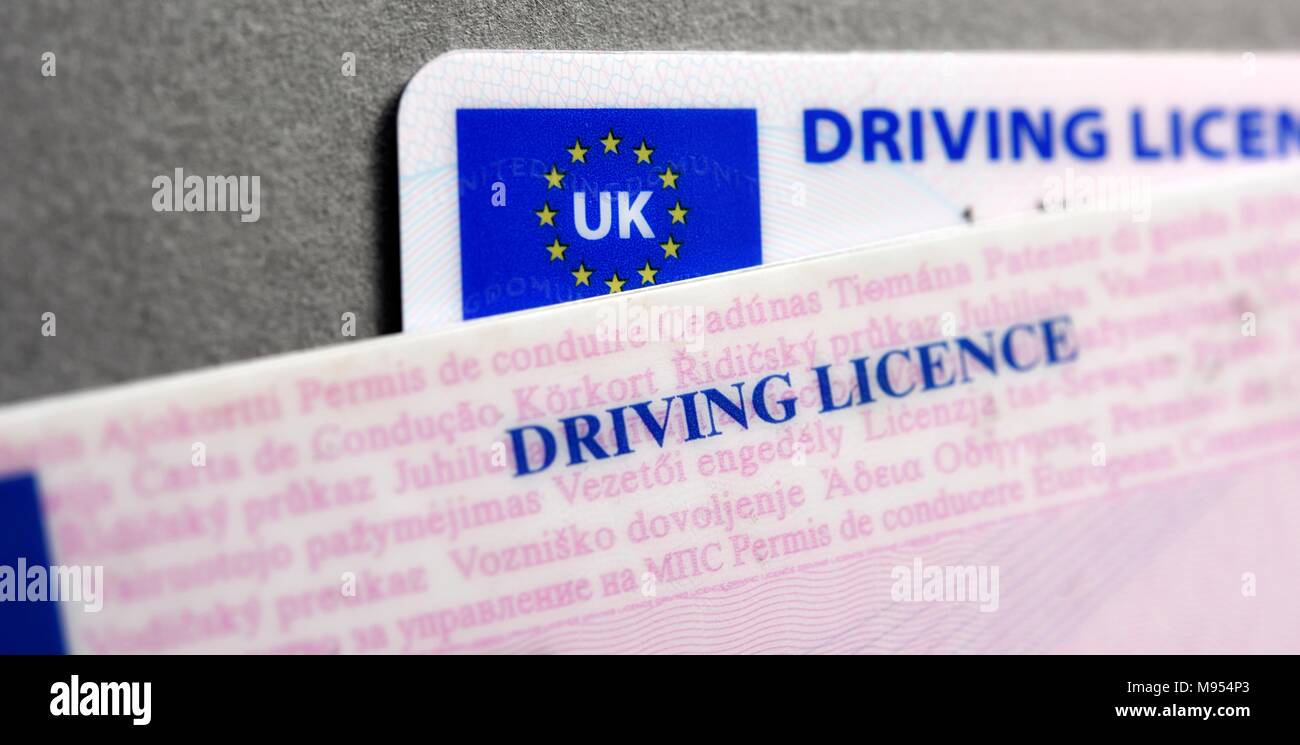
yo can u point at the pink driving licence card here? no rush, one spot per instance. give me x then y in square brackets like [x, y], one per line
[1073, 432]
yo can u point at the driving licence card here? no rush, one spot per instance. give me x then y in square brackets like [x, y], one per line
[531, 178]
[1060, 433]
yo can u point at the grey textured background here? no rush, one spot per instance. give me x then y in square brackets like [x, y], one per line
[245, 87]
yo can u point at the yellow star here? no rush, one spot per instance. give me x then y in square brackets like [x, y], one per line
[669, 177]
[578, 152]
[581, 275]
[678, 212]
[647, 274]
[546, 215]
[611, 142]
[554, 179]
[557, 249]
[670, 247]
[615, 284]
[643, 153]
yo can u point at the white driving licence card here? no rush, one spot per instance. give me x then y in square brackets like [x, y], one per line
[531, 178]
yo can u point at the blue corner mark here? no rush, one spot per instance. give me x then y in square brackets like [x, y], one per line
[563, 204]
[26, 627]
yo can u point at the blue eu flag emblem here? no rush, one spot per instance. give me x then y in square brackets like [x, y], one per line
[560, 204]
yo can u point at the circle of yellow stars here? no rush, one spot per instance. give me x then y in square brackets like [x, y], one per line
[610, 144]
